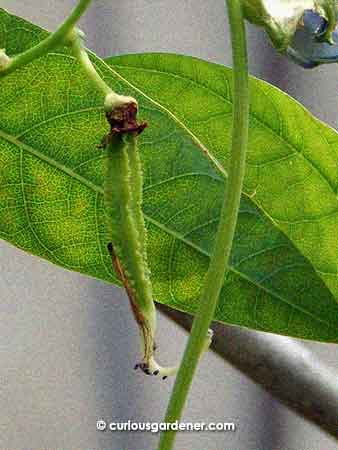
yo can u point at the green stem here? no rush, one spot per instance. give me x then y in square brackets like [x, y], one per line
[82, 56]
[219, 262]
[52, 41]
[112, 99]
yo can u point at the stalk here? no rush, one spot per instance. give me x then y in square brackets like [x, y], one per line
[223, 243]
[53, 40]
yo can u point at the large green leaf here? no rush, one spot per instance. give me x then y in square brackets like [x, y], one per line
[51, 178]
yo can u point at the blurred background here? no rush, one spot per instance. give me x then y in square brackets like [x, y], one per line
[68, 343]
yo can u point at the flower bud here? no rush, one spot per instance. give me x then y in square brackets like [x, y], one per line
[305, 30]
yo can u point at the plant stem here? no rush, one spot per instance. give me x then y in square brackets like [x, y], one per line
[223, 243]
[290, 373]
[52, 41]
[112, 99]
[82, 56]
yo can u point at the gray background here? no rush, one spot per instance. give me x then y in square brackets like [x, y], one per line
[68, 343]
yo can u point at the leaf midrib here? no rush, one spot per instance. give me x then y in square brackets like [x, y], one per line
[169, 231]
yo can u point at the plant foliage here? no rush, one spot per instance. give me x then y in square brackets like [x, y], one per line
[283, 276]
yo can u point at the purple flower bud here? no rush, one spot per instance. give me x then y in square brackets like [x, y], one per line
[304, 30]
[307, 47]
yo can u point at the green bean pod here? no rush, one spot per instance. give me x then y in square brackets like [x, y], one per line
[123, 205]
[119, 205]
[136, 172]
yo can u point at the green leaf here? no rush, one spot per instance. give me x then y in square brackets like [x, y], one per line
[51, 177]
